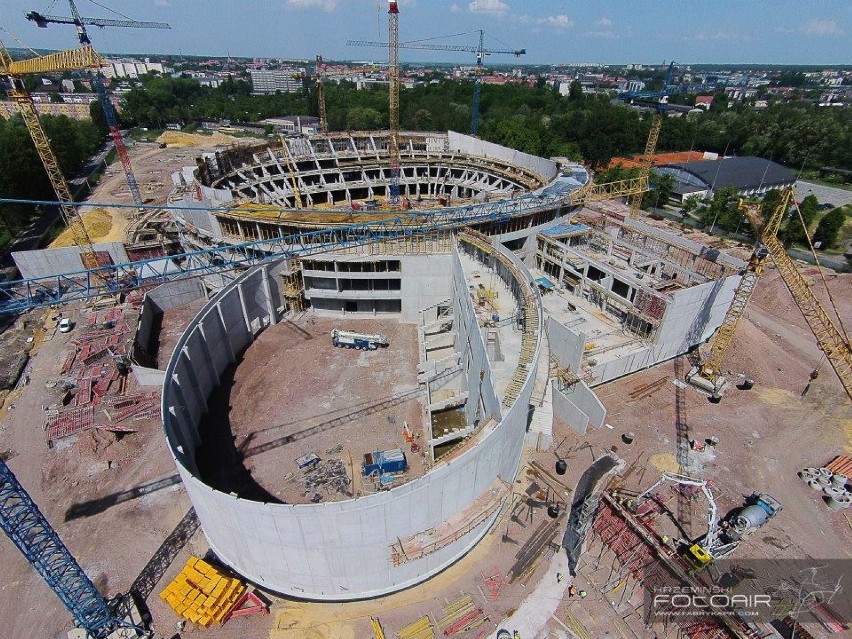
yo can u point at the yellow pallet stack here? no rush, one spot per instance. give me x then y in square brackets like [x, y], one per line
[202, 594]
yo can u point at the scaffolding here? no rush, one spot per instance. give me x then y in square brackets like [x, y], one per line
[293, 286]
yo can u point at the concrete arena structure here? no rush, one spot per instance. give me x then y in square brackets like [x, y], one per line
[447, 180]
[387, 540]
[621, 295]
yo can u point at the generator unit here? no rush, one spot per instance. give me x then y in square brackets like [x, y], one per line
[382, 462]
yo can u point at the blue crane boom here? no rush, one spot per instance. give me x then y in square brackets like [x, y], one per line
[28, 529]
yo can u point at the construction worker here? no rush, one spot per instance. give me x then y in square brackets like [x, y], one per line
[559, 577]
[516, 634]
[583, 594]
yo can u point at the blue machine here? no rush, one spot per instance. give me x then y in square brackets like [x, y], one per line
[384, 461]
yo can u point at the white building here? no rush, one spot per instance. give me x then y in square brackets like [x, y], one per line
[131, 68]
[266, 81]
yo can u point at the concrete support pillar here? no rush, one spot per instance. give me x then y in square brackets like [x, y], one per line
[233, 355]
[267, 294]
[244, 309]
[208, 356]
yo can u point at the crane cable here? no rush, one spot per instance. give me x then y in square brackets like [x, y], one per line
[118, 13]
[19, 41]
[821, 273]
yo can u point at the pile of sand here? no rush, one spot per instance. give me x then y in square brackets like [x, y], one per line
[98, 223]
[178, 139]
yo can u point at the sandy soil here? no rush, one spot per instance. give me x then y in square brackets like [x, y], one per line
[293, 393]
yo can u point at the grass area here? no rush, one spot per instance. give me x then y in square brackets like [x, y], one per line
[814, 177]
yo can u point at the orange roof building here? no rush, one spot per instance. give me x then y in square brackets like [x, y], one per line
[659, 159]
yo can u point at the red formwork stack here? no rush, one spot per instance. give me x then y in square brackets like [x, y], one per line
[102, 396]
[648, 561]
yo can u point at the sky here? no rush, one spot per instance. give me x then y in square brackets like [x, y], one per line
[552, 31]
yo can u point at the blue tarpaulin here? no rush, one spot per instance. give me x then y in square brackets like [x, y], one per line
[564, 229]
[545, 283]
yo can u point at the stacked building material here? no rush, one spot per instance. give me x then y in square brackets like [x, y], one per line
[329, 474]
[202, 594]
[418, 629]
[92, 368]
[69, 422]
[460, 616]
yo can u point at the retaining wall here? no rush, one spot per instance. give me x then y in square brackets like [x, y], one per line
[337, 550]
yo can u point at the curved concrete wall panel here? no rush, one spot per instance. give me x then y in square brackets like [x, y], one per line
[336, 550]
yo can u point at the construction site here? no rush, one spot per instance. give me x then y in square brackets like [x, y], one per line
[406, 384]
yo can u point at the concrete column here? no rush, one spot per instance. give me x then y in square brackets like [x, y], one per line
[225, 333]
[267, 294]
[208, 356]
[244, 309]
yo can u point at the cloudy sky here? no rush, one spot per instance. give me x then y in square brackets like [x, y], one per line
[552, 31]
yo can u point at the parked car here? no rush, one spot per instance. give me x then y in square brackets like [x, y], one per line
[65, 325]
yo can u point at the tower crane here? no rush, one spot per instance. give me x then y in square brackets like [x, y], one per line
[653, 135]
[480, 52]
[393, 111]
[831, 340]
[73, 60]
[321, 97]
[33, 535]
[109, 112]
[323, 73]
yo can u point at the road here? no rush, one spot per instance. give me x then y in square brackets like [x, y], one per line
[31, 237]
[825, 194]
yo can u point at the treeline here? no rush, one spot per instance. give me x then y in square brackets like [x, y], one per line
[22, 174]
[536, 120]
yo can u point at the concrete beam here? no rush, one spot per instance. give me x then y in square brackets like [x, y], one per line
[450, 402]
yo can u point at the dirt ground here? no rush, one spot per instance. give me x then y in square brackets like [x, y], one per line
[293, 394]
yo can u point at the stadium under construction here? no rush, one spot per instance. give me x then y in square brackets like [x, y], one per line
[498, 292]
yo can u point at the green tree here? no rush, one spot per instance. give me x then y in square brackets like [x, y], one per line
[771, 201]
[828, 231]
[361, 118]
[723, 210]
[794, 230]
[691, 204]
[661, 191]
[575, 91]
[96, 114]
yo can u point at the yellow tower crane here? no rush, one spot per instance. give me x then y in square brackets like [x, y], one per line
[78, 59]
[653, 137]
[321, 97]
[832, 341]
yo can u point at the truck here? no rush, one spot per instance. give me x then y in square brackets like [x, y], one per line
[361, 341]
[758, 509]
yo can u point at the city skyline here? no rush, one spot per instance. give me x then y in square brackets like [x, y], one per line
[613, 31]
